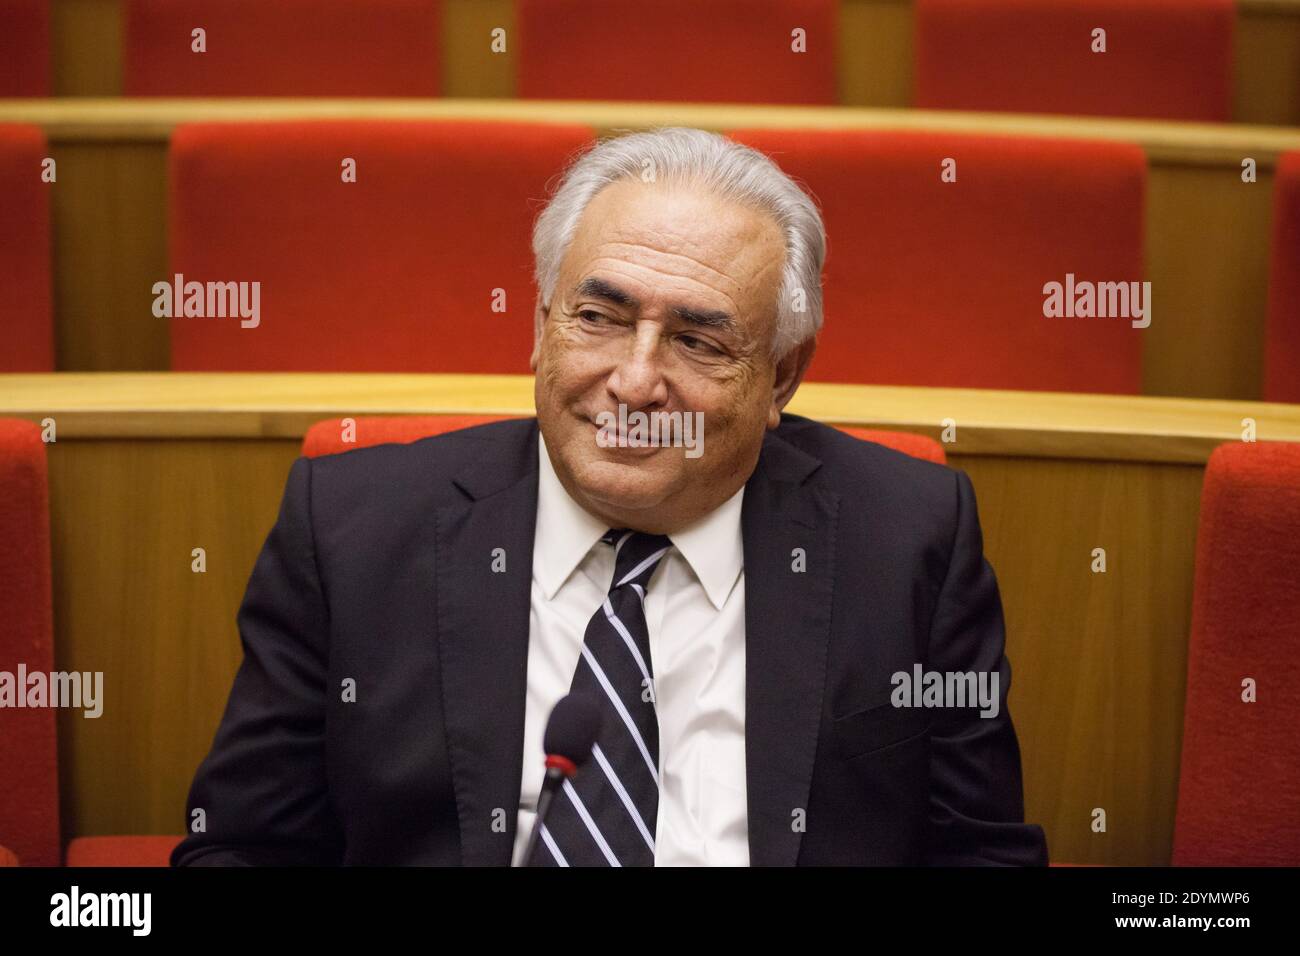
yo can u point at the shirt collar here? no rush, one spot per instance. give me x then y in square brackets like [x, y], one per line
[565, 530]
[712, 545]
[714, 548]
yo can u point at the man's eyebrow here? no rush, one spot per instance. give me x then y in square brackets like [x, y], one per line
[600, 289]
[596, 288]
[709, 318]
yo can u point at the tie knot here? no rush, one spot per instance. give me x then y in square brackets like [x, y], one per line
[637, 555]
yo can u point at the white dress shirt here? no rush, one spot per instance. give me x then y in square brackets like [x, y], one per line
[695, 616]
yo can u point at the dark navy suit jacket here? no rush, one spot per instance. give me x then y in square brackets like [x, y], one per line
[379, 571]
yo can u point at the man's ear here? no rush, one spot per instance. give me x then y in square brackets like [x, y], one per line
[789, 373]
[539, 317]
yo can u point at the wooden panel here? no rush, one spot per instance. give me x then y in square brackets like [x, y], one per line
[874, 58]
[469, 67]
[1208, 247]
[1267, 51]
[136, 119]
[987, 422]
[124, 519]
[110, 247]
[1098, 661]
[86, 36]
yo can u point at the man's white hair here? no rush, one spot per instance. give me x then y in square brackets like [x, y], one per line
[724, 167]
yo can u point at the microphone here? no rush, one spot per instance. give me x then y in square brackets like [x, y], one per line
[570, 734]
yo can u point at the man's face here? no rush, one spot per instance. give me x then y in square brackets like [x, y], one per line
[666, 302]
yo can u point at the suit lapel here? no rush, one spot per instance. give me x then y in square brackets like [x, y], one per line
[483, 623]
[787, 633]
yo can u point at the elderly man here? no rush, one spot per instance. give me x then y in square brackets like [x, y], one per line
[741, 613]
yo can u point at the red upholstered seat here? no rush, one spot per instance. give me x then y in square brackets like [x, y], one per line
[326, 438]
[1239, 782]
[282, 48]
[942, 283]
[1170, 59]
[723, 51]
[24, 48]
[396, 272]
[1282, 341]
[26, 322]
[29, 765]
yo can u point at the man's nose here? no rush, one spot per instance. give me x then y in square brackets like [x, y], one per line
[638, 379]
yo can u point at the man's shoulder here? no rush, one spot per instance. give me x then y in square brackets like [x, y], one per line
[847, 462]
[894, 498]
[428, 467]
[904, 496]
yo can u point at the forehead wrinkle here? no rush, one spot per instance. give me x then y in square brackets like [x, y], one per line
[674, 255]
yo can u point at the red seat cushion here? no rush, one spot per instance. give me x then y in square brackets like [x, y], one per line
[121, 851]
[282, 48]
[722, 51]
[26, 312]
[24, 48]
[1170, 59]
[29, 771]
[942, 283]
[395, 272]
[1239, 781]
[1282, 340]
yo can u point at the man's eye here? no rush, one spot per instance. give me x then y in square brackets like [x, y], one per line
[594, 318]
[701, 346]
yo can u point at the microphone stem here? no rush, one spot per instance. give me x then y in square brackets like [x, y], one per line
[552, 782]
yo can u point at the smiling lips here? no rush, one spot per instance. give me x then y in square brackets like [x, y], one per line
[623, 444]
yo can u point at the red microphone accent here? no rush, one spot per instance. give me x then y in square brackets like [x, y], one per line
[562, 764]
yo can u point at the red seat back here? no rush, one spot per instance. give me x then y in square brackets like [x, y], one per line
[723, 51]
[26, 312]
[396, 272]
[29, 771]
[918, 446]
[282, 48]
[1282, 340]
[942, 283]
[25, 48]
[1168, 59]
[1239, 782]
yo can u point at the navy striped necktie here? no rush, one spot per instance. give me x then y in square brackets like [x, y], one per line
[605, 815]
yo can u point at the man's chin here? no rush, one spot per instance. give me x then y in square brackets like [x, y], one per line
[608, 486]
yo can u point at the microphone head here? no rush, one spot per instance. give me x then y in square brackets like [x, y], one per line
[572, 728]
